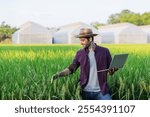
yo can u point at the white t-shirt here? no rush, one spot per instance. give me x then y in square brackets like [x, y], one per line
[93, 84]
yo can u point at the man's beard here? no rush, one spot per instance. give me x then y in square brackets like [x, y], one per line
[87, 46]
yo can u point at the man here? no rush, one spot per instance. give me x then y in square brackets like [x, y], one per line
[90, 59]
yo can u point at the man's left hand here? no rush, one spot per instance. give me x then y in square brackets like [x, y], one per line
[112, 70]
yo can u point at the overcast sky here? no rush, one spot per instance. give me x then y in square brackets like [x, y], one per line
[53, 13]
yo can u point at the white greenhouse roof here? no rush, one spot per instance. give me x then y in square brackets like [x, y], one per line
[117, 28]
[75, 27]
[34, 28]
[145, 28]
[32, 33]
[68, 32]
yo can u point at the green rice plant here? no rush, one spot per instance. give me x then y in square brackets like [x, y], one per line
[26, 71]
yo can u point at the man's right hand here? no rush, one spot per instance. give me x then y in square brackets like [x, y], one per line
[65, 72]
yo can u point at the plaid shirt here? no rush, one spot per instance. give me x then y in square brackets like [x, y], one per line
[103, 59]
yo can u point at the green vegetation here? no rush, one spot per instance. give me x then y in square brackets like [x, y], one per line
[126, 16]
[131, 17]
[25, 72]
[6, 32]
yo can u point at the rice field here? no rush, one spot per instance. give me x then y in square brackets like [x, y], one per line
[26, 71]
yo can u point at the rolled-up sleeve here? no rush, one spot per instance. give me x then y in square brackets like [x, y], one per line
[75, 64]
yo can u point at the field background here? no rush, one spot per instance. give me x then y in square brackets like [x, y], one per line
[25, 72]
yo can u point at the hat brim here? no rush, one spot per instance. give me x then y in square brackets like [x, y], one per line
[87, 35]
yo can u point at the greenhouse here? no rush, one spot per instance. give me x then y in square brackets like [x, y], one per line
[66, 34]
[122, 33]
[32, 33]
[146, 29]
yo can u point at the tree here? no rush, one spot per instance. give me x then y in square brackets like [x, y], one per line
[114, 18]
[96, 24]
[146, 18]
[131, 17]
[6, 31]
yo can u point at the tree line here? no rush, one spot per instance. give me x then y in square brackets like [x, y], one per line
[127, 16]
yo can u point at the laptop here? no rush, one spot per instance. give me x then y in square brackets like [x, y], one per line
[117, 62]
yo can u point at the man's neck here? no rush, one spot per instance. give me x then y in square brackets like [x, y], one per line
[92, 46]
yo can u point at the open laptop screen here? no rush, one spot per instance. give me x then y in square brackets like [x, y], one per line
[118, 61]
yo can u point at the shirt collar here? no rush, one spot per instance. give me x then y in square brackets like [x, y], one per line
[87, 50]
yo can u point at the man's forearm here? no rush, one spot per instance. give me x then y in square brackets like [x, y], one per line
[65, 72]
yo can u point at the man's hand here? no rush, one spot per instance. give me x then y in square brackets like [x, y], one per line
[112, 70]
[65, 72]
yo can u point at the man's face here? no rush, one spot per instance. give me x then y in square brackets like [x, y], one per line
[85, 42]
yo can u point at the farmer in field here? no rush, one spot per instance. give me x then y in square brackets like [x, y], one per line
[90, 59]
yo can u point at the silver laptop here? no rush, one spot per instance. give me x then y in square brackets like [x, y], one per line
[117, 62]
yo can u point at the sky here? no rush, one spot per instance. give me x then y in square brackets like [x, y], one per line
[55, 13]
